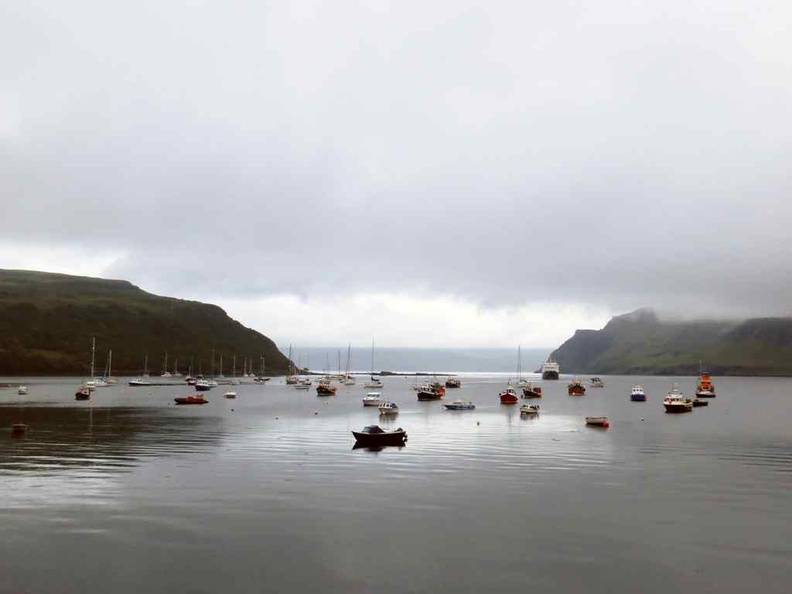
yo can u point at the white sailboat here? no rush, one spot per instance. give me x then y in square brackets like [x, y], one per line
[374, 382]
[348, 379]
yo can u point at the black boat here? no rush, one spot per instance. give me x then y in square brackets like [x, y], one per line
[374, 435]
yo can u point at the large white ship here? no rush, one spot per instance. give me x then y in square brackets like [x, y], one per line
[550, 370]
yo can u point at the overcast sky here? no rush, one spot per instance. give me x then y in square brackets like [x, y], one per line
[427, 173]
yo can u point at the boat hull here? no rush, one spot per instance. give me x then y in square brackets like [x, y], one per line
[549, 375]
[190, 400]
[678, 408]
[380, 439]
[598, 422]
[575, 391]
[638, 397]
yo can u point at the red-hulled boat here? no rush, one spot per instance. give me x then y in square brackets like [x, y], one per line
[191, 400]
[508, 396]
[576, 388]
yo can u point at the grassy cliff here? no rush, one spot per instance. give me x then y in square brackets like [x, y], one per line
[640, 343]
[47, 323]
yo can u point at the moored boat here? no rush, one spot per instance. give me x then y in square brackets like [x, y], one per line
[453, 382]
[230, 394]
[373, 399]
[431, 391]
[705, 387]
[598, 422]
[325, 388]
[550, 370]
[203, 385]
[508, 396]
[22, 390]
[197, 399]
[637, 394]
[82, 393]
[389, 408]
[459, 405]
[697, 402]
[19, 428]
[529, 409]
[531, 391]
[596, 382]
[374, 435]
[576, 388]
[677, 402]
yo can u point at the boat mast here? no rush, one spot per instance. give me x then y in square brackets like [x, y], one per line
[93, 355]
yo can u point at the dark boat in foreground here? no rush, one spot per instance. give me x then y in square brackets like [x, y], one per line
[374, 435]
[190, 400]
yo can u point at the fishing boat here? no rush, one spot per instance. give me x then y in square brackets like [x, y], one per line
[677, 402]
[374, 435]
[373, 399]
[637, 394]
[453, 382]
[705, 387]
[529, 409]
[197, 399]
[531, 391]
[431, 391]
[576, 388]
[598, 422]
[508, 396]
[596, 382]
[325, 388]
[388, 408]
[459, 405]
[550, 370]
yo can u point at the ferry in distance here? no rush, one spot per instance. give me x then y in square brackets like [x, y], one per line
[550, 370]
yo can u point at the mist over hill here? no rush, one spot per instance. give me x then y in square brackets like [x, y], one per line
[48, 322]
[642, 343]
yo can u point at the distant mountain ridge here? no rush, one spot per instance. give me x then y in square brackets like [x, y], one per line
[641, 343]
[47, 323]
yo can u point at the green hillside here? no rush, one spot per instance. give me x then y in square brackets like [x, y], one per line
[640, 343]
[47, 323]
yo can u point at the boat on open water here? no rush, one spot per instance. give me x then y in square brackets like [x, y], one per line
[637, 394]
[374, 435]
[677, 402]
[576, 388]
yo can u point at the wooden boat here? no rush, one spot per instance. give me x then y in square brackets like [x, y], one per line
[508, 396]
[374, 435]
[576, 388]
[531, 391]
[453, 382]
[598, 422]
[637, 394]
[431, 391]
[529, 409]
[459, 405]
[388, 408]
[198, 399]
[676, 402]
[705, 388]
[373, 399]
[596, 382]
[325, 388]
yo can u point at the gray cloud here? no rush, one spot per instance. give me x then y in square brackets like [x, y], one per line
[619, 154]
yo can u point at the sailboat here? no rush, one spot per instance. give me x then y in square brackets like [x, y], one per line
[165, 372]
[374, 382]
[348, 379]
[84, 391]
[261, 378]
[292, 378]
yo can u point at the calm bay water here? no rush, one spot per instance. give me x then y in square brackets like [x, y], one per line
[128, 492]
